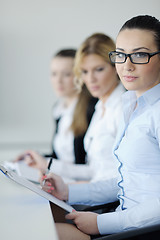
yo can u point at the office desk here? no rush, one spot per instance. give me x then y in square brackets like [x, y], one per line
[23, 214]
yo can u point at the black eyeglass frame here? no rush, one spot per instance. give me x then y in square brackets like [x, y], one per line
[130, 56]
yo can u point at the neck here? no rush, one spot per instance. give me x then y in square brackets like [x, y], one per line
[106, 96]
[140, 93]
[69, 100]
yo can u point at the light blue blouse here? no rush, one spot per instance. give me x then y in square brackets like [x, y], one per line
[137, 150]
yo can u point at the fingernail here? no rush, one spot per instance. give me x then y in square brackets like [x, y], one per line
[52, 188]
[49, 184]
[49, 191]
[43, 177]
[73, 210]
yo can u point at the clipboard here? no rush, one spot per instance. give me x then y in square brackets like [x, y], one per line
[34, 188]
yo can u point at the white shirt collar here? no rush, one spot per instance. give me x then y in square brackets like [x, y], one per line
[117, 92]
[60, 109]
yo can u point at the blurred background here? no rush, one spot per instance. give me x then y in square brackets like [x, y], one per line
[31, 31]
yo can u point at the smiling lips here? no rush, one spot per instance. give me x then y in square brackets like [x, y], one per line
[129, 78]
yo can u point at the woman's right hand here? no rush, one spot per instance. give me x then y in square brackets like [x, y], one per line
[33, 159]
[55, 185]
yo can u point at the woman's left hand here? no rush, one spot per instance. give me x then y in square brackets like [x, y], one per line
[85, 221]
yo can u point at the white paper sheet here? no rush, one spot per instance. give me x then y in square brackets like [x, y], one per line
[37, 189]
[22, 169]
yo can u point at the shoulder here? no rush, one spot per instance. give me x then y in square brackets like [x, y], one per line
[155, 112]
[57, 109]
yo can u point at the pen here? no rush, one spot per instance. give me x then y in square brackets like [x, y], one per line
[48, 168]
[3, 170]
[49, 165]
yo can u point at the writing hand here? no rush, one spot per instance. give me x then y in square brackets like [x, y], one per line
[55, 185]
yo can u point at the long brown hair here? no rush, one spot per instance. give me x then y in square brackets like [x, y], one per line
[79, 124]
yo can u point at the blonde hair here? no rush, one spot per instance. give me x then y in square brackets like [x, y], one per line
[80, 123]
[97, 43]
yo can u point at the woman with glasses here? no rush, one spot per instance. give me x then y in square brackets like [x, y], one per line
[137, 146]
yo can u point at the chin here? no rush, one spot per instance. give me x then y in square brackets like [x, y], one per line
[60, 94]
[129, 86]
[95, 95]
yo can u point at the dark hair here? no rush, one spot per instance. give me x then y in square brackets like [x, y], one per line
[144, 22]
[66, 53]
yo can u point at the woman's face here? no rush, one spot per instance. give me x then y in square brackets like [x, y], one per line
[62, 77]
[138, 77]
[99, 76]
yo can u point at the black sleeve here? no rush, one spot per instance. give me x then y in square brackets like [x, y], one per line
[91, 108]
[79, 151]
[78, 141]
[53, 154]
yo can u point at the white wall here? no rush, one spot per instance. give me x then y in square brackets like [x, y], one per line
[30, 32]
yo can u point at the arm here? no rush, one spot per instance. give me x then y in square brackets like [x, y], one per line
[66, 170]
[96, 193]
[72, 171]
[88, 193]
[141, 215]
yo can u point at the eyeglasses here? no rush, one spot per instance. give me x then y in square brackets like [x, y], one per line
[136, 58]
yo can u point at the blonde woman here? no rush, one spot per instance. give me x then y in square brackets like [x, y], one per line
[94, 69]
[71, 113]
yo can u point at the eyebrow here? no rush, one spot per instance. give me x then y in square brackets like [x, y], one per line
[97, 66]
[134, 50]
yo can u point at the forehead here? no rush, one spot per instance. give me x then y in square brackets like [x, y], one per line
[130, 39]
[91, 60]
[60, 62]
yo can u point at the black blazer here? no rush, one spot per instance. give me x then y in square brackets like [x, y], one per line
[79, 151]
